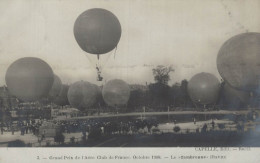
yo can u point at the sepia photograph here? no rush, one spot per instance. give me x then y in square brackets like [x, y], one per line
[130, 73]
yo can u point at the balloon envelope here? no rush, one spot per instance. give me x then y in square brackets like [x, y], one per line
[238, 61]
[116, 93]
[97, 31]
[82, 95]
[62, 98]
[203, 88]
[56, 87]
[29, 78]
[234, 97]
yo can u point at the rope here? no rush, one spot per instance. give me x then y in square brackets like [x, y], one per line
[115, 52]
[91, 62]
[99, 65]
[109, 56]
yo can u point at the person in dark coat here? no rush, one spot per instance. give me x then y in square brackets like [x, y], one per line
[213, 124]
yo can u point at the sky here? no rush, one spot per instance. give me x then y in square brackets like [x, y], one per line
[186, 34]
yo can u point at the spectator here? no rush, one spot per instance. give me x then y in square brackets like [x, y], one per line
[204, 128]
[213, 124]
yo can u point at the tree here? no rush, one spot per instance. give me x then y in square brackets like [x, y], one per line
[161, 74]
[137, 99]
[184, 85]
[176, 95]
[179, 94]
[159, 95]
[184, 89]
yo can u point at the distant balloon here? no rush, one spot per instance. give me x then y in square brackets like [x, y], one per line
[238, 61]
[62, 98]
[116, 93]
[29, 79]
[56, 87]
[97, 31]
[82, 95]
[203, 88]
[235, 98]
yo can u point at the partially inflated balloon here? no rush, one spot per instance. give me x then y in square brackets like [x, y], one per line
[238, 61]
[62, 98]
[203, 88]
[116, 93]
[235, 98]
[82, 95]
[29, 78]
[56, 87]
[97, 31]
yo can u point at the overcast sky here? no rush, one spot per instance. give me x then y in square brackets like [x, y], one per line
[184, 33]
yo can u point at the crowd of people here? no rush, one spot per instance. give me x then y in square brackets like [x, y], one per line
[93, 128]
[106, 126]
[24, 126]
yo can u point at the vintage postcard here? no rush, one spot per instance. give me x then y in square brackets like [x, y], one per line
[129, 81]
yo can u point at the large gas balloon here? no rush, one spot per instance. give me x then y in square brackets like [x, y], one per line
[56, 87]
[235, 98]
[203, 88]
[29, 78]
[116, 93]
[82, 95]
[62, 98]
[238, 61]
[97, 31]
